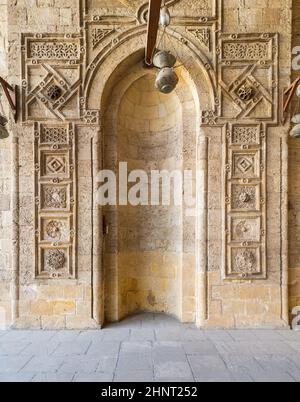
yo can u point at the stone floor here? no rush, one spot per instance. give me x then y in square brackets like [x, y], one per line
[150, 347]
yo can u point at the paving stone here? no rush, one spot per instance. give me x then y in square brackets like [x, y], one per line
[289, 335]
[13, 364]
[144, 348]
[190, 334]
[280, 363]
[23, 336]
[95, 335]
[17, 377]
[74, 364]
[12, 347]
[65, 336]
[173, 371]
[107, 364]
[295, 374]
[142, 334]
[271, 376]
[168, 352]
[72, 348]
[267, 336]
[133, 354]
[134, 361]
[240, 375]
[242, 335]
[167, 334]
[237, 362]
[218, 336]
[295, 345]
[199, 348]
[94, 377]
[254, 348]
[206, 362]
[134, 376]
[53, 377]
[40, 349]
[43, 364]
[104, 349]
[110, 334]
[208, 375]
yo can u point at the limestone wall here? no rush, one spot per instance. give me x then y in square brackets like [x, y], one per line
[66, 58]
[294, 177]
[5, 182]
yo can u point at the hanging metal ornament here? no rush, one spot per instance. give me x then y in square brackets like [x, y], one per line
[296, 119]
[163, 59]
[165, 17]
[166, 80]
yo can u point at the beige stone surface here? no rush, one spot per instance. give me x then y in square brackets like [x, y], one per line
[237, 263]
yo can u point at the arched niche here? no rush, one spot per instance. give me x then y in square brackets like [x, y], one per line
[112, 78]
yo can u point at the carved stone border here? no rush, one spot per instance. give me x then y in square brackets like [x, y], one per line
[244, 212]
[55, 200]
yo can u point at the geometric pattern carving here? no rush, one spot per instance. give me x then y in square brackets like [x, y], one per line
[245, 164]
[55, 194]
[245, 135]
[54, 197]
[245, 51]
[253, 89]
[202, 35]
[98, 34]
[244, 239]
[51, 77]
[54, 135]
[43, 50]
[91, 116]
[55, 164]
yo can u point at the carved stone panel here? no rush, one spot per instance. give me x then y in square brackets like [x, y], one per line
[51, 76]
[245, 262]
[245, 201]
[55, 195]
[244, 197]
[248, 76]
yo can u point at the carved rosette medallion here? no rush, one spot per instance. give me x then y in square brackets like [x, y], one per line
[55, 260]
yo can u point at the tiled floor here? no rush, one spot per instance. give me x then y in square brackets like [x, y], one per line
[150, 347]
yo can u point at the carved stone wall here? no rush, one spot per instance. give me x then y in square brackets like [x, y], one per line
[5, 183]
[66, 57]
[294, 177]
